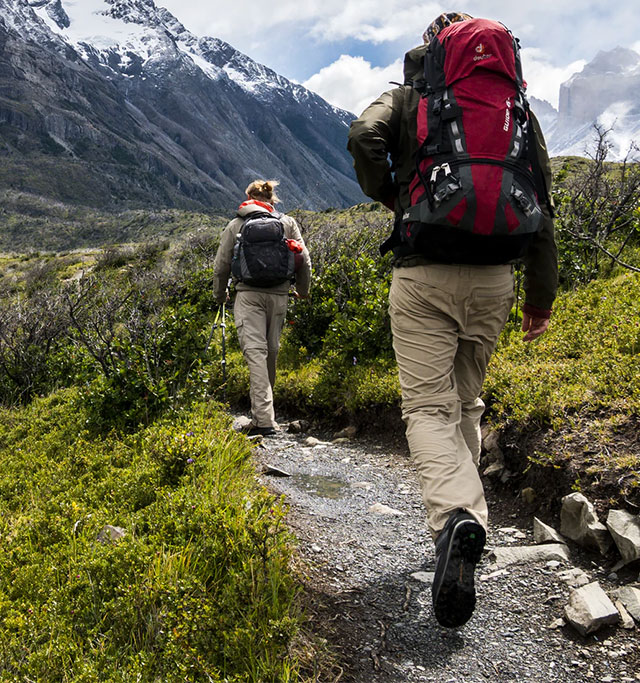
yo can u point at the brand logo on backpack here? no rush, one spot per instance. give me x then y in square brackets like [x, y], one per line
[473, 198]
[262, 256]
[480, 49]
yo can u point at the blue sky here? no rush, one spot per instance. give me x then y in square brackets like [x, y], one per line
[348, 50]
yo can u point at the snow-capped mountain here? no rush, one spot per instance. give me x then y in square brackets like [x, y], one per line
[154, 113]
[607, 92]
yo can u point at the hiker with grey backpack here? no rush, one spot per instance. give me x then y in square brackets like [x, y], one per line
[469, 183]
[264, 253]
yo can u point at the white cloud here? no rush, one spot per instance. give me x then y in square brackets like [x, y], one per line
[557, 36]
[544, 78]
[352, 83]
[622, 127]
[376, 22]
[578, 26]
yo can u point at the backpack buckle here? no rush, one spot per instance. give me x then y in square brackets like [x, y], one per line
[522, 201]
[436, 169]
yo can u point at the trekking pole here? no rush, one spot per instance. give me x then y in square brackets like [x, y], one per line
[223, 326]
[518, 281]
[224, 342]
[214, 327]
[223, 362]
[224, 351]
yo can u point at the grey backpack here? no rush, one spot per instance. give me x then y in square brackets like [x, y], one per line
[261, 255]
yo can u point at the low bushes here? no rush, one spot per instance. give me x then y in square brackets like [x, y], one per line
[197, 589]
[588, 360]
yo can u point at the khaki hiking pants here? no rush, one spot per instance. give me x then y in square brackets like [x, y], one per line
[446, 320]
[259, 318]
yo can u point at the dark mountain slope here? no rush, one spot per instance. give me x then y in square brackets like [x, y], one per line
[161, 117]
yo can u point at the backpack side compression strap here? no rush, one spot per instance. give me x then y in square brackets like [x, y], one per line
[541, 183]
[433, 81]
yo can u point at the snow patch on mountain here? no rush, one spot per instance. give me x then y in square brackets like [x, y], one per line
[207, 68]
[54, 11]
[90, 24]
[622, 120]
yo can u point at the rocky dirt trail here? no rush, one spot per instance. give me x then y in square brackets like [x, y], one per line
[356, 510]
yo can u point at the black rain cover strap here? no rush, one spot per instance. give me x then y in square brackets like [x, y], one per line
[434, 67]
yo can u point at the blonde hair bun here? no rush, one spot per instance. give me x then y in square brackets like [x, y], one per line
[263, 190]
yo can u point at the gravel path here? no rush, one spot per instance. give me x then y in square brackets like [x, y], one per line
[369, 591]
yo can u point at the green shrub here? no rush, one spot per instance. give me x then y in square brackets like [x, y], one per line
[598, 221]
[198, 589]
[346, 316]
[588, 360]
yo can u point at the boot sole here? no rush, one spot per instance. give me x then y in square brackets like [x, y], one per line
[456, 597]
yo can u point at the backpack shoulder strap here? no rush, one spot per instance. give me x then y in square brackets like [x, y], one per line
[434, 75]
[532, 152]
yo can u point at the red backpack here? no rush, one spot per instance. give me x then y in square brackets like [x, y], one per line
[473, 198]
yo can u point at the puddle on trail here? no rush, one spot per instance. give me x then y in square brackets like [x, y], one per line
[320, 485]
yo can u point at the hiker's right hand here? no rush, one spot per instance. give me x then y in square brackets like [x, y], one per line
[533, 327]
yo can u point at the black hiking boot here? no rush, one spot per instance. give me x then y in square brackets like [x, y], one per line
[261, 431]
[458, 550]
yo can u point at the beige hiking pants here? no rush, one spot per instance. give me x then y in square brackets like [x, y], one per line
[259, 318]
[446, 320]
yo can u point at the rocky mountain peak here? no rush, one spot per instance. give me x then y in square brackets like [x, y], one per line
[616, 61]
[54, 9]
[607, 92]
[134, 11]
[123, 86]
[143, 12]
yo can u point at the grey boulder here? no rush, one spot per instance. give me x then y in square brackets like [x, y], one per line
[579, 522]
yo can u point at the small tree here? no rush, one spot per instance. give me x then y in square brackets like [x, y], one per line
[598, 213]
[31, 327]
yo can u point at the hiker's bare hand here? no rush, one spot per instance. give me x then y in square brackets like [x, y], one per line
[533, 327]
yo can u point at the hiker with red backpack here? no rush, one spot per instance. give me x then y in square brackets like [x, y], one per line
[469, 182]
[264, 253]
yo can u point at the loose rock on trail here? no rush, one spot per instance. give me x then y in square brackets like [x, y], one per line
[357, 513]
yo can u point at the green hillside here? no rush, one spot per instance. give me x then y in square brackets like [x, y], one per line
[30, 222]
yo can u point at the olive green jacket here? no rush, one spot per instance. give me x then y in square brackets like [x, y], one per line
[387, 130]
